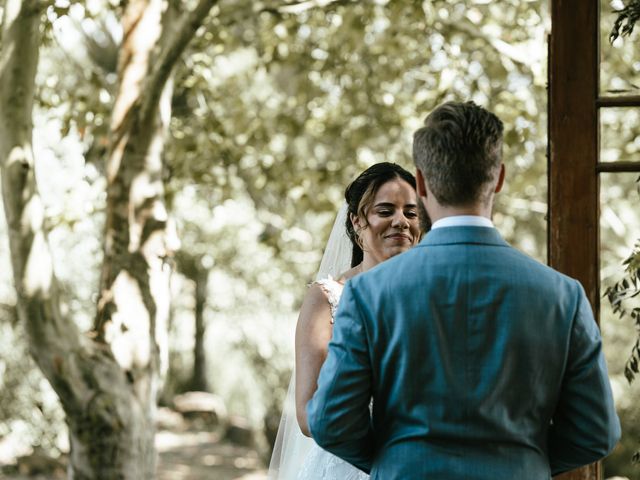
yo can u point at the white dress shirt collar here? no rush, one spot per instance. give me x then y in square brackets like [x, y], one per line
[463, 221]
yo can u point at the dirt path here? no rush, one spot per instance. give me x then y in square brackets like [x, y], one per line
[201, 455]
[183, 455]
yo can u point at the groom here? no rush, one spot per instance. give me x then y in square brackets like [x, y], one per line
[482, 363]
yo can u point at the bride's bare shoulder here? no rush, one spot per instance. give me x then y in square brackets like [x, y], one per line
[315, 310]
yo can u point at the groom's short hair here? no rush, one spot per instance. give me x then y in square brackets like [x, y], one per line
[459, 152]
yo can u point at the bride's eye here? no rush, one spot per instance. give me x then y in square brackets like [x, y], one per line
[385, 212]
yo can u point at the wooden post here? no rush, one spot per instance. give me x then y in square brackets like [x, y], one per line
[573, 233]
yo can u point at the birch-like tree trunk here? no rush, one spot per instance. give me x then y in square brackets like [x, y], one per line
[107, 381]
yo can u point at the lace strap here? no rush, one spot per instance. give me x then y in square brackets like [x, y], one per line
[332, 290]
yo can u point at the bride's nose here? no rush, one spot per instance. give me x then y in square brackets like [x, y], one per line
[400, 221]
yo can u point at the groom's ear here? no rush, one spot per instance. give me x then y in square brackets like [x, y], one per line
[420, 185]
[500, 179]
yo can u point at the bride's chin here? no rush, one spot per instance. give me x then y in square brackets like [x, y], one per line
[395, 252]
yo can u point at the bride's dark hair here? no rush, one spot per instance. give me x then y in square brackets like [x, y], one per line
[360, 193]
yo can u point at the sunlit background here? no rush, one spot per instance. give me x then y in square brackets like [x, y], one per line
[273, 114]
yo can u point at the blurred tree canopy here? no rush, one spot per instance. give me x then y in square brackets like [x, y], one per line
[285, 106]
[276, 106]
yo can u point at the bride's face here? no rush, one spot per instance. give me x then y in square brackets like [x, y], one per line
[392, 225]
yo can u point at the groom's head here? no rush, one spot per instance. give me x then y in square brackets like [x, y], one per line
[459, 153]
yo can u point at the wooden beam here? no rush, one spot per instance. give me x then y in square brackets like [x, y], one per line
[618, 167]
[621, 101]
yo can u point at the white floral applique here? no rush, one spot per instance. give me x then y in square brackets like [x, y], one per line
[333, 291]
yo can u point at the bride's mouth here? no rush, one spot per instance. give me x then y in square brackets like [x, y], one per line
[399, 236]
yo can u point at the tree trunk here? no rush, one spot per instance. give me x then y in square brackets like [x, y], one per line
[200, 379]
[107, 382]
[133, 307]
[191, 267]
[134, 292]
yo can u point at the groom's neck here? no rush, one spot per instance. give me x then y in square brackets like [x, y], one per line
[481, 206]
[437, 211]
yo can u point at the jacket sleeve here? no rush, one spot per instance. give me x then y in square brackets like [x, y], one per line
[585, 426]
[338, 413]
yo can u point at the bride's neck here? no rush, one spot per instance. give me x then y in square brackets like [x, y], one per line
[367, 264]
[352, 272]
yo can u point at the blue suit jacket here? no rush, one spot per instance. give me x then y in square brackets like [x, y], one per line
[482, 364]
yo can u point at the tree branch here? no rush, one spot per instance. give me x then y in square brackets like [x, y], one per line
[296, 8]
[185, 30]
[499, 45]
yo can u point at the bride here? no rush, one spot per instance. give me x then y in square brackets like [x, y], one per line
[378, 221]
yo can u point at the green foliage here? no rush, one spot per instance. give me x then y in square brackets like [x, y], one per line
[618, 143]
[76, 78]
[627, 18]
[289, 108]
[619, 295]
[619, 226]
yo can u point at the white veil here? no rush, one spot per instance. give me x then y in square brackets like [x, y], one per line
[291, 446]
[337, 254]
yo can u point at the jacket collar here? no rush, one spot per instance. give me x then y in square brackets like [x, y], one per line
[463, 234]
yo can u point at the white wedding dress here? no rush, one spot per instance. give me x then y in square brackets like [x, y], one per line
[296, 457]
[320, 464]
